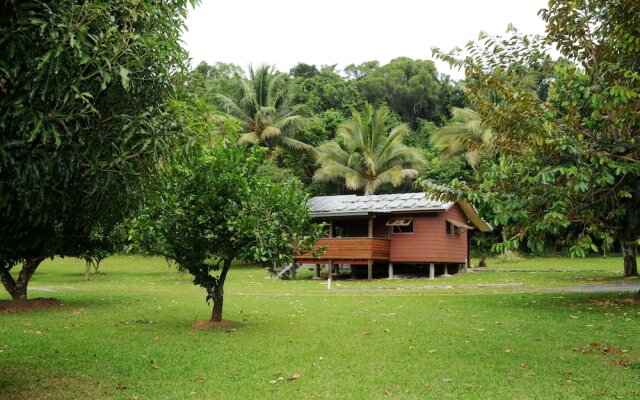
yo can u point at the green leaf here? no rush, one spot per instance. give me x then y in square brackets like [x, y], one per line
[124, 77]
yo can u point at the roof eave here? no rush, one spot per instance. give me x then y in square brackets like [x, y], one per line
[473, 216]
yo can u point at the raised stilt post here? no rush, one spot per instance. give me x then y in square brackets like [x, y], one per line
[390, 270]
[329, 273]
[432, 271]
[446, 271]
[370, 270]
[317, 272]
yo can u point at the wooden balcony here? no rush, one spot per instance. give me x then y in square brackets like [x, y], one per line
[348, 250]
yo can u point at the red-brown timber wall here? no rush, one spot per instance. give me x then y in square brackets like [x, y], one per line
[429, 241]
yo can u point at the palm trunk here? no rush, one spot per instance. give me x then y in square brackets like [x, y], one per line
[630, 254]
[217, 293]
[18, 288]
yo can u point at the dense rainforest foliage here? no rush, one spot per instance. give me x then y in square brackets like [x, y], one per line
[294, 113]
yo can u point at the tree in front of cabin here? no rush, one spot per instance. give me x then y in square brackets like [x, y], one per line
[85, 113]
[365, 155]
[219, 209]
[571, 157]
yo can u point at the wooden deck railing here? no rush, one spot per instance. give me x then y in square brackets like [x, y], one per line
[350, 248]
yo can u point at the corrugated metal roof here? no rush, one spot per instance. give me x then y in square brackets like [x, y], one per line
[352, 205]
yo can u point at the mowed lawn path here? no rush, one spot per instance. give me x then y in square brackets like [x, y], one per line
[128, 334]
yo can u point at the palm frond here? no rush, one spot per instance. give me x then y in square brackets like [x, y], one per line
[365, 155]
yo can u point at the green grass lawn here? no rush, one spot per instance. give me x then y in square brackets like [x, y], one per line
[128, 334]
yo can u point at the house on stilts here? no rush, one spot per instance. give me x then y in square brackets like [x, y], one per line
[401, 234]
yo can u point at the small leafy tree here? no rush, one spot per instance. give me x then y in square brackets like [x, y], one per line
[101, 245]
[218, 209]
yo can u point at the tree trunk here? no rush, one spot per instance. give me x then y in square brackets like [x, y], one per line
[217, 293]
[18, 288]
[630, 254]
[87, 269]
[96, 267]
[169, 264]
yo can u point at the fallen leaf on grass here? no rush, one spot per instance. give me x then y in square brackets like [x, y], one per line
[389, 392]
[121, 386]
[524, 365]
[600, 393]
[432, 351]
[154, 365]
[200, 379]
[573, 317]
[295, 376]
[623, 363]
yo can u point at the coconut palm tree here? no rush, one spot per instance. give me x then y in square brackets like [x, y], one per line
[365, 155]
[264, 111]
[464, 135]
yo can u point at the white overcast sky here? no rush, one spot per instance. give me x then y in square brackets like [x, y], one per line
[326, 32]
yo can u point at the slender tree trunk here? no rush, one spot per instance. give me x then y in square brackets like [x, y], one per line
[87, 269]
[96, 267]
[217, 294]
[18, 288]
[630, 254]
[169, 264]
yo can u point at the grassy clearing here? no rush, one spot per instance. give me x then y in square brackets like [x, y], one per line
[111, 334]
[560, 263]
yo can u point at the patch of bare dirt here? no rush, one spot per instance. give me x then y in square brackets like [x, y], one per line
[616, 302]
[19, 306]
[210, 324]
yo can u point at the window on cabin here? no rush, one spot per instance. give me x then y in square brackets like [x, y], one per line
[452, 230]
[401, 225]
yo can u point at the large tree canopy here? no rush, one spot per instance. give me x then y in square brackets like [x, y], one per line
[411, 88]
[84, 117]
[570, 156]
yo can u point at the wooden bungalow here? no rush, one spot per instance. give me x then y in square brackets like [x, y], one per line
[406, 230]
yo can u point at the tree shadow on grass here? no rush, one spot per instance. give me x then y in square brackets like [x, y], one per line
[19, 383]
